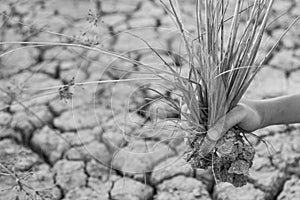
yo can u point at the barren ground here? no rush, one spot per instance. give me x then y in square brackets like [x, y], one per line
[94, 145]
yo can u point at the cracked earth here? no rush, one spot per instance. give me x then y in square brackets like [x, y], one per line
[99, 144]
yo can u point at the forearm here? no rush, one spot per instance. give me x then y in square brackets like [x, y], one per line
[281, 110]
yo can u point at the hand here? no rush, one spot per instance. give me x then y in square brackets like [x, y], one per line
[246, 115]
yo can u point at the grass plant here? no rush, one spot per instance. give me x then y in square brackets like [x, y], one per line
[222, 61]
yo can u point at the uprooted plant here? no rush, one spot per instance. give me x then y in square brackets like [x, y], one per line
[222, 63]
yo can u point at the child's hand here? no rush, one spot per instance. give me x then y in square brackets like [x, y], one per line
[250, 115]
[246, 115]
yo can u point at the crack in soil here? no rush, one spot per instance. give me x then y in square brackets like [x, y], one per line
[58, 186]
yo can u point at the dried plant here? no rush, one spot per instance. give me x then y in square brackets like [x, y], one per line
[222, 63]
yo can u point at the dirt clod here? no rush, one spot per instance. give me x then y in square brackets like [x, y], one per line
[230, 160]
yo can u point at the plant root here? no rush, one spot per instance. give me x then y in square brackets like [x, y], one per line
[230, 160]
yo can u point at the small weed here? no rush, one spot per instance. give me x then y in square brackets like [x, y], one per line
[65, 92]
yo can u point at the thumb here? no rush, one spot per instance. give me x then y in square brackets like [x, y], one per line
[232, 118]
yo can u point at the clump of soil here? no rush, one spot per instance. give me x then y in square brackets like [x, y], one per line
[230, 160]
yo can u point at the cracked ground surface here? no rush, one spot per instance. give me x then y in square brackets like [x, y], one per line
[94, 145]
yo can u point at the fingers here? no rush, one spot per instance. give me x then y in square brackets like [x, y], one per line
[207, 146]
[232, 118]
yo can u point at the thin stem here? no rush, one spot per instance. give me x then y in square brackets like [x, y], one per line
[94, 82]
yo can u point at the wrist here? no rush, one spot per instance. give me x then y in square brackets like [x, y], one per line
[263, 108]
[259, 112]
